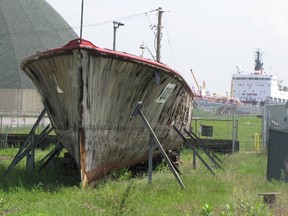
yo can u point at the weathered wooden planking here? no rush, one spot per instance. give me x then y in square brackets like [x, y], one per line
[90, 94]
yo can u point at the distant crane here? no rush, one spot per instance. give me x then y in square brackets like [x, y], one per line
[195, 79]
[201, 90]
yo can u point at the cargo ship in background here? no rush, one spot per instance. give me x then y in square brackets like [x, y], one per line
[258, 87]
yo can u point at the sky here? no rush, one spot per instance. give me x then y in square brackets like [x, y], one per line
[210, 37]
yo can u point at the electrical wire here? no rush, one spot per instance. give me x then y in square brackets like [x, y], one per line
[169, 42]
[150, 23]
[132, 17]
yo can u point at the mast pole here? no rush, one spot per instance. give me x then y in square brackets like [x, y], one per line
[81, 24]
[159, 27]
[114, 34]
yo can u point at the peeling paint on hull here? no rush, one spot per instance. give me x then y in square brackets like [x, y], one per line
[90, 94]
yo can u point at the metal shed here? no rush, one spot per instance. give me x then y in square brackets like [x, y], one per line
[277, 155]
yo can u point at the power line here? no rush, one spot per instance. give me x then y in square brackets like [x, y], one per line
[169, 42]
[136, 16]
[132, 17]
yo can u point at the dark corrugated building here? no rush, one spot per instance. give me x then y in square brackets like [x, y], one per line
[26, 26]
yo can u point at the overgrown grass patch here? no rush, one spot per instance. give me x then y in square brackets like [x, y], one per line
[233, 189]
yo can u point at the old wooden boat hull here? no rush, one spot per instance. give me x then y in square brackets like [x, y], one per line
[90, 94]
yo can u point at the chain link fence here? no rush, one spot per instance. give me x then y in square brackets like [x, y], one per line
[13, 124]
[246, 124]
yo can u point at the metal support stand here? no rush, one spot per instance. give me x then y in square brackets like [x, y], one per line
[194, 160]
[51, 156]
[153, 137]
[212, 156]
[194, 150]
[28, 147]
[150, 159]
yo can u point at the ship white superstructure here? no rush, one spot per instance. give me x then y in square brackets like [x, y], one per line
[259, 86]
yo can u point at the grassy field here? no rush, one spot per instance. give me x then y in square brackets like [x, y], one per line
[232, 192]
[245, 128]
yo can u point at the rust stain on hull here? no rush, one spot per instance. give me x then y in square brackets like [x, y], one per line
[82, 157]
[90, 94]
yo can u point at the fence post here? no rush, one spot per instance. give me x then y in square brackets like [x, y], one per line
[229, 113]
[268, 125]
[17, 123]
[233, 134]
[256, 140]
[195, 127]
[237, 129]
[264, 128]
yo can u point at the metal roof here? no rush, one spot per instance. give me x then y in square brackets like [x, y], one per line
[27, 26]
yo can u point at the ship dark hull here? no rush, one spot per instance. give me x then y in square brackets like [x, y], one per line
[90, 94]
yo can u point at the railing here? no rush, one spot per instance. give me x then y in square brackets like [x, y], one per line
[12, 126]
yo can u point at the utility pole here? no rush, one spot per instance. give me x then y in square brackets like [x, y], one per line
[116, 25]
[142, 47]
[159, 27]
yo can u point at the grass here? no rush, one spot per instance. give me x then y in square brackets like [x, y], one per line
[246, 128]
[233, 190]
